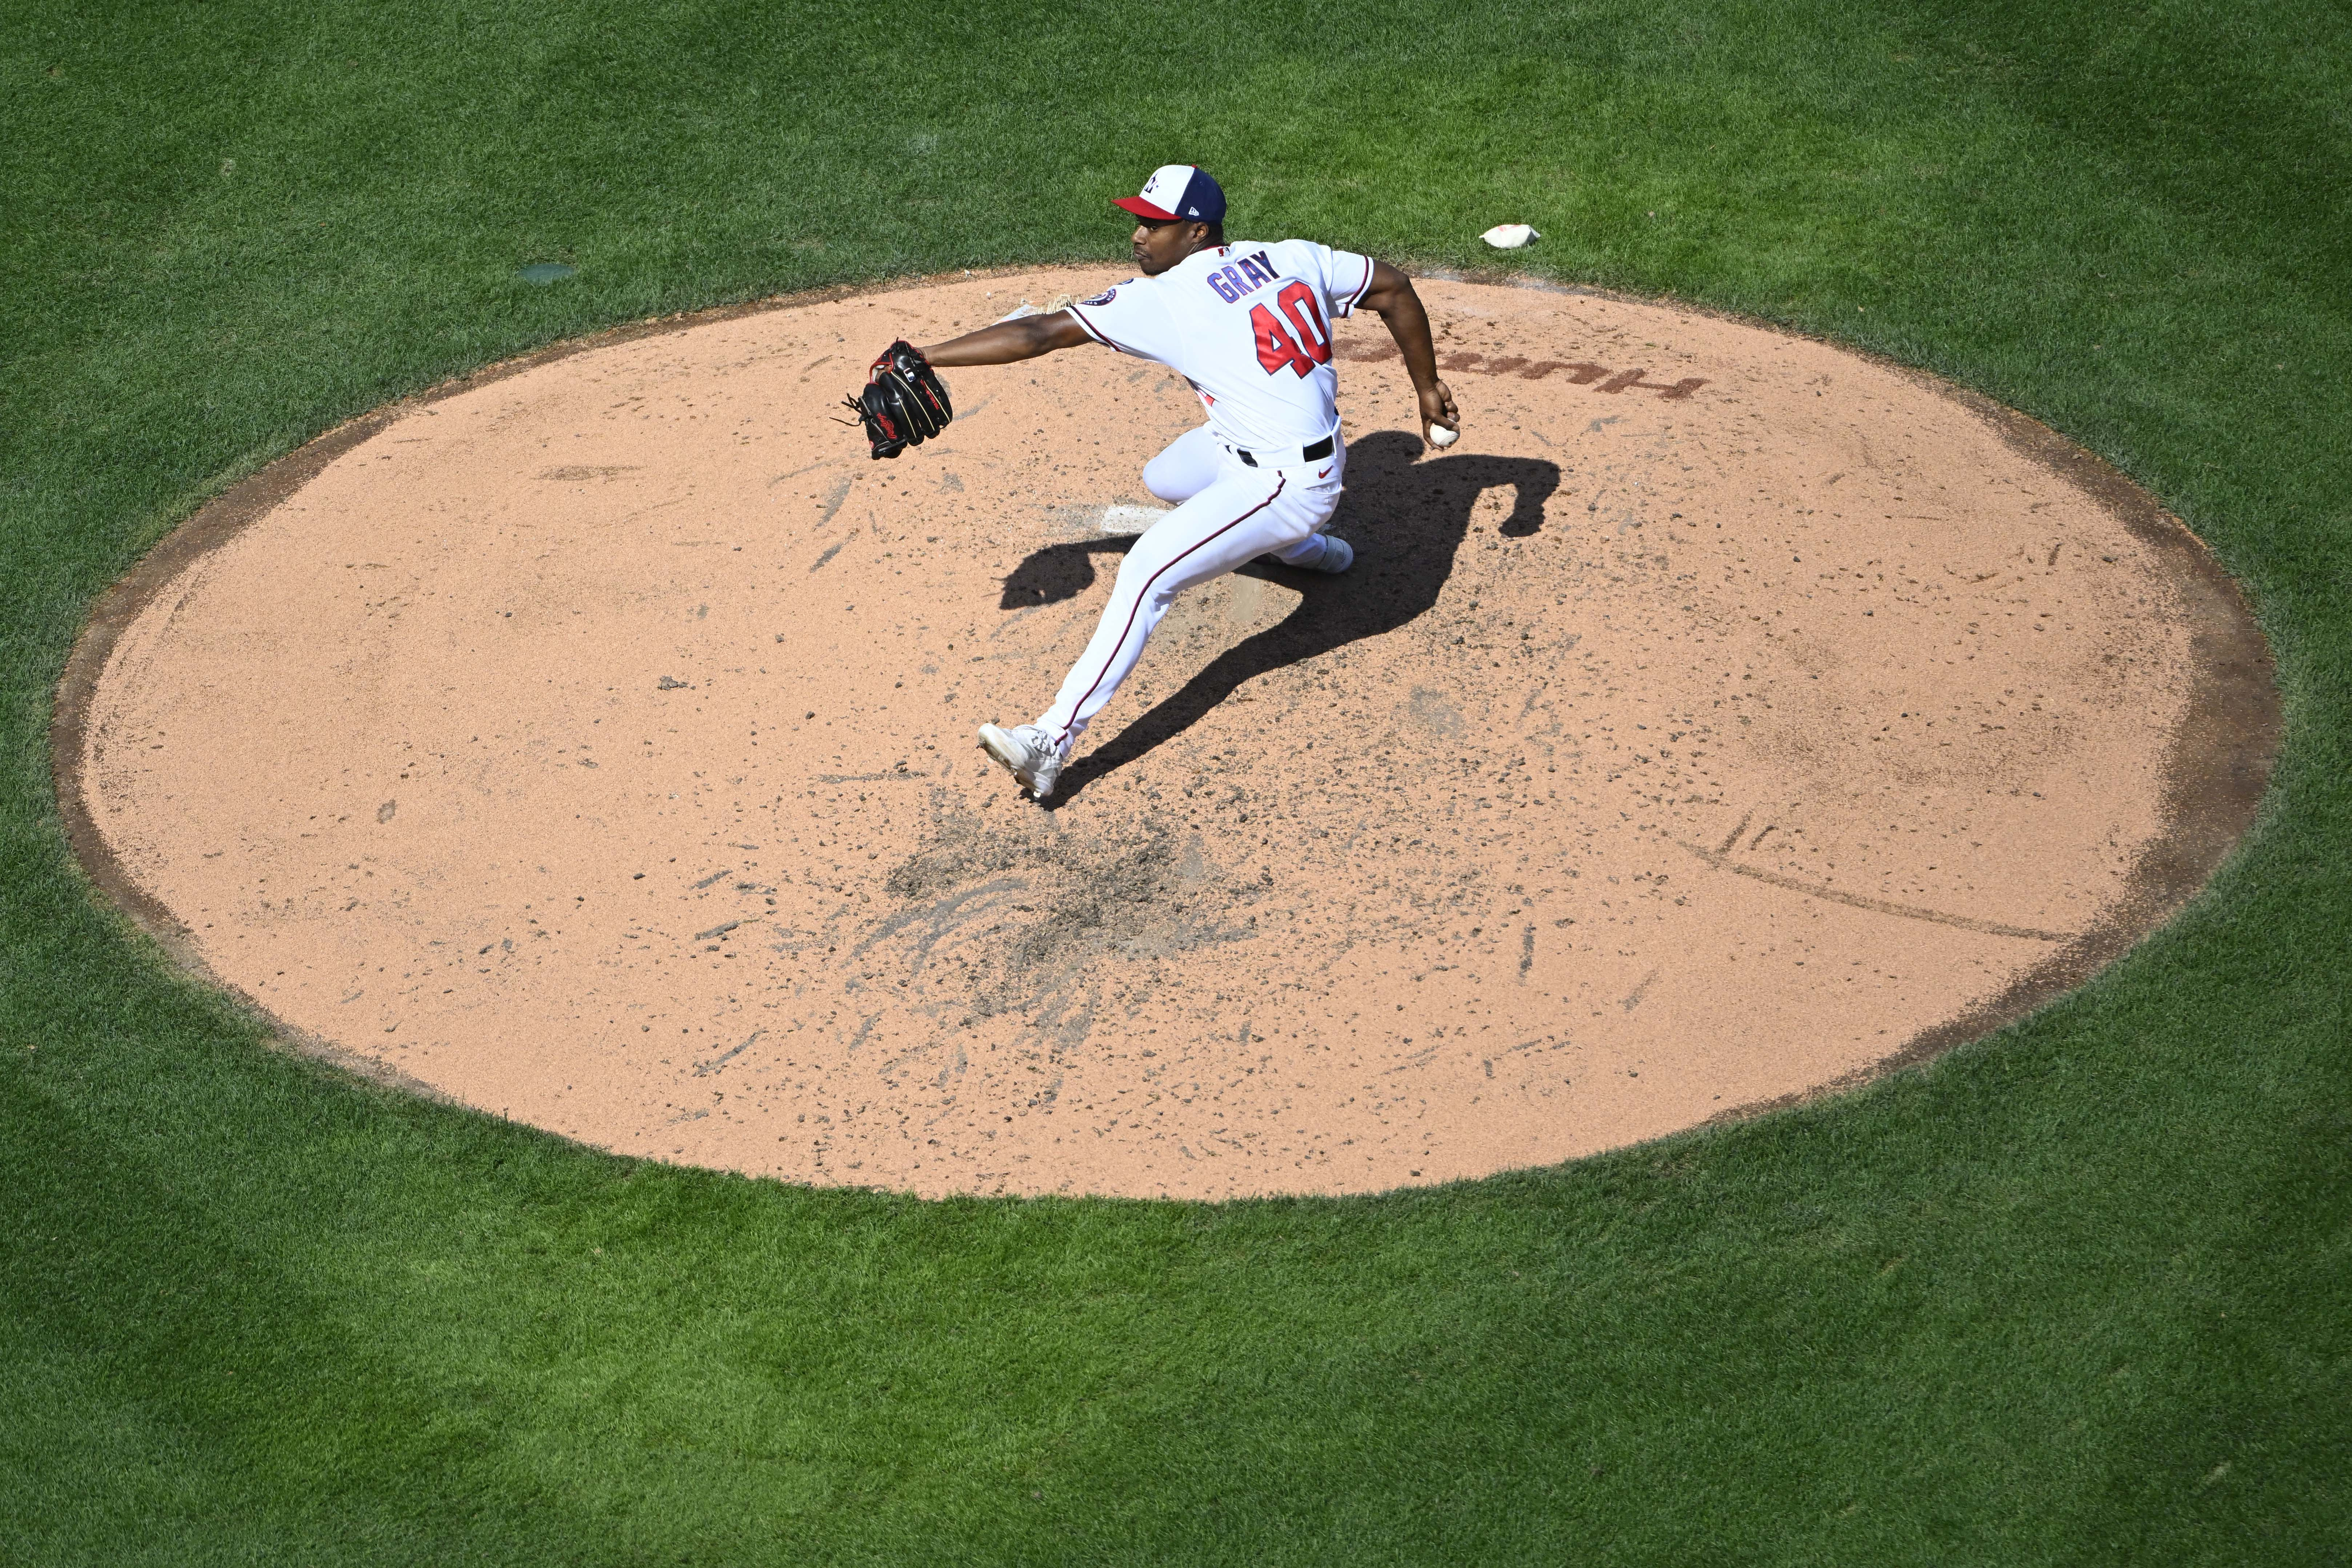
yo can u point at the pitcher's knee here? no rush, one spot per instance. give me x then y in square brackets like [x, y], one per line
[1182, 468]
[1169, 481]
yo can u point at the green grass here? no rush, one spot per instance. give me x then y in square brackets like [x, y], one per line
[2082, 1293]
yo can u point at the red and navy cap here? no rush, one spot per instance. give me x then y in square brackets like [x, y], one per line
[1177, 193]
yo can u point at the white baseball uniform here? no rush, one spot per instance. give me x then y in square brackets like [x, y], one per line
[1249, 327]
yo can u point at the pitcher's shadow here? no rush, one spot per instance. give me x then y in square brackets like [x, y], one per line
[1407, 522]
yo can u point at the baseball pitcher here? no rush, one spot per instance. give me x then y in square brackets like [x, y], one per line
[1248, 325]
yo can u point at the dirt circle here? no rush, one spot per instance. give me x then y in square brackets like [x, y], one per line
[1725, 717]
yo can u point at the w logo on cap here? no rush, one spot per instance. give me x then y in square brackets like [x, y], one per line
[1177, 189]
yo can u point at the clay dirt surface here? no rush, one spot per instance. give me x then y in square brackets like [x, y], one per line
[1725, 717]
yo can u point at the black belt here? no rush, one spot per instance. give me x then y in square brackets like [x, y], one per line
[1314, 453]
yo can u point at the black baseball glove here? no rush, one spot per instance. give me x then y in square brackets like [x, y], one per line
[904, 403]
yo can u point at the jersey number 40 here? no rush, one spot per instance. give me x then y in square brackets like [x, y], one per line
[1302, 349]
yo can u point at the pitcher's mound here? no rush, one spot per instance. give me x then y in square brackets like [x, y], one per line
[1724, 717]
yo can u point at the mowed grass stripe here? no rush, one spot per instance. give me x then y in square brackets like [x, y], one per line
[2079, 1293]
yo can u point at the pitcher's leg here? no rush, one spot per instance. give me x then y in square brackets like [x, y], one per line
[1185, 467]
[1314, 553]
[1306, 552]
[1232, 523]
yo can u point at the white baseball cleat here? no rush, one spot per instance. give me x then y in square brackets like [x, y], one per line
[1029, 752]
[1337, 557]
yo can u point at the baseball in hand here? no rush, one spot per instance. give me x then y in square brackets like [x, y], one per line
[1439, 436]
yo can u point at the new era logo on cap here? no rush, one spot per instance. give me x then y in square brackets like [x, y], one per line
[1177, 192]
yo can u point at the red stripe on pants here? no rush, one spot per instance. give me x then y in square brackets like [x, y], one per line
[1146, 594]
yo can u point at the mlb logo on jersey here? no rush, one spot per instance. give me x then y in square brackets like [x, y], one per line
[1177, 192]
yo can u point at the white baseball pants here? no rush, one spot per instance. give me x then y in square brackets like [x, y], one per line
[1229, 515]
